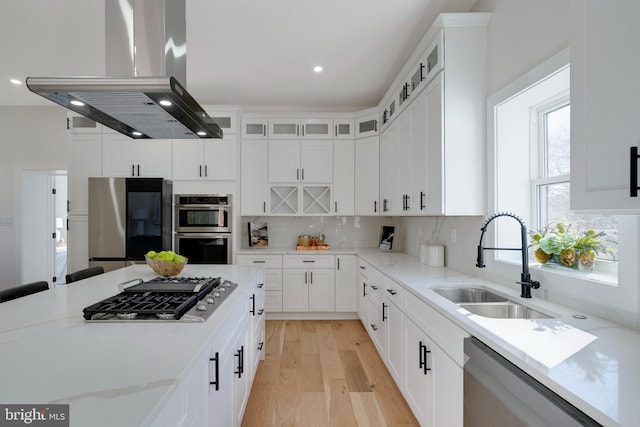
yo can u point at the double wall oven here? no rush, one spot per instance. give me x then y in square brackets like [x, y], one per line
[203, 231]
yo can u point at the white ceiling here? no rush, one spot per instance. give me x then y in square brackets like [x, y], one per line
[254, 53]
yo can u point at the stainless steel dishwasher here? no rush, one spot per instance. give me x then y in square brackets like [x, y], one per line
[498, 393]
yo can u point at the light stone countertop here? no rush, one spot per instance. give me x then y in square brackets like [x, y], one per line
[111, 374]
[592, 363]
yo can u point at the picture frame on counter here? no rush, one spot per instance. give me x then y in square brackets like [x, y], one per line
[258, 234]
[387, 237]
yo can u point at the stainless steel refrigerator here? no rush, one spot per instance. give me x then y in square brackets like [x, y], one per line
[127, 218]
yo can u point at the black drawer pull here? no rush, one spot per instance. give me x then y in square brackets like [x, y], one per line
[391, 291]
[216, 382]
[634, 172]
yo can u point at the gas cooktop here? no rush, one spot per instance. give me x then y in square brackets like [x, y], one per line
[177, 299]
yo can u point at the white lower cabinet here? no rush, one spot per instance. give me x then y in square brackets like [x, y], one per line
[422, 349]
[346, 279]
[308, 283]
[272, 278]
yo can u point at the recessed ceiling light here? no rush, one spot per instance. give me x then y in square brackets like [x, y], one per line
[165, 102]
[16, 81]
[201, 133]
[77, 103]
[136, 133]
[317, 68]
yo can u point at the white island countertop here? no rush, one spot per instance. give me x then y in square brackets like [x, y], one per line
[592, 363]
[111, 374]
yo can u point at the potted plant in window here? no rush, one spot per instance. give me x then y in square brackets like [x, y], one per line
[558, 245]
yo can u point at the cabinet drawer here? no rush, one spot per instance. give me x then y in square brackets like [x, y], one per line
[394, 292]
[269, 261]
[440, 329]
[306, 261]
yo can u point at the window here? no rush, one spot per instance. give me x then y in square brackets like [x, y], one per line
[552, 134]
[532, 138]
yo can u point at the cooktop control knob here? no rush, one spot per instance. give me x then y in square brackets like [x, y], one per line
[216, 294]
[210, 300]
[222, 289]
[202, 307]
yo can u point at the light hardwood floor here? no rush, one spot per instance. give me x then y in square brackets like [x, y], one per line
[323, 373]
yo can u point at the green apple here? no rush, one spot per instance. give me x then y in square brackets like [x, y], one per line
[152, 254]
[179, 258]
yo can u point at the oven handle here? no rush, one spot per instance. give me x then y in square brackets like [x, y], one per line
[204, 235]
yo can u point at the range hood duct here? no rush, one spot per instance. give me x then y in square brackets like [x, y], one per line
[146, 43]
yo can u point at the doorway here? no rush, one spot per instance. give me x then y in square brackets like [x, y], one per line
[44, 226]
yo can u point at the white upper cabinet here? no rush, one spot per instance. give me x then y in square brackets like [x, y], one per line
[605, 89]
[208, 159]
[301, 129]
[253, 179]
[343, 177]
[126, 157]
[227, 120]
[367, 175]
[343, 129]
[367, 125]
[85, 161]
[309, 161]
[432, 161]
[254, 128]
[81, 124]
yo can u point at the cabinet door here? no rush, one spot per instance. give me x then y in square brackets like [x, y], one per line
[376, 325]
[434, 199]
[284, 161]
[254, 129]
[154, 158]
[394, 357]
[220, 158]
[78, 243]
[295, 289]
[253, 179]
[403, 163]
[367, 176]
[226, 120]
[322, 293]
[343, 177]
[85, 160]
[417, 383]
[367, 125]
[242, 374]
[316, 161]
[317, 129]
[221, 399]
[119, 156]
[284, 128]
[418, 160]
[273, 301]
[389, 198]
[188, 163]
[346, 283]
[448, 389]
[343, 129]
[604, 104]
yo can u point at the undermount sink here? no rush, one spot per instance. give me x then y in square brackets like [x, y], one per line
[485, 303]
[508, 310]
[460, 295]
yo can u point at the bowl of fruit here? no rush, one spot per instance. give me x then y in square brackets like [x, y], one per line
[165, 263]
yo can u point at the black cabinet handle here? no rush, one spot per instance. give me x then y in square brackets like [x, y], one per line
[261, 312]
[422, 203]
[391, 291]
[422, 354]
[305, 278]
[374, 287]
[240, 355]
[362, 267]
[374, 327]
[364, 289]
[385, 202]
[257, 261]
[309, 260]
[336, 206]
[375, 206]
[264, 207]
[384, 312]
[253, 305]
[138, 170]
[634, 172]
[217, 370]
[260, 346]
[407, 198]
[200, 173]
[133, 170]
[338, 260]
[311, 278]
[206, 170]
[260, 285]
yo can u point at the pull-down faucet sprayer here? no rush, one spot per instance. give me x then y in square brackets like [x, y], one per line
[525, 278]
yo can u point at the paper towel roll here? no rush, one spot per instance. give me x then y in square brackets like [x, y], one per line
[435, 255]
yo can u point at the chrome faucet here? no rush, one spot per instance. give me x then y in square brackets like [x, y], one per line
[525, 278]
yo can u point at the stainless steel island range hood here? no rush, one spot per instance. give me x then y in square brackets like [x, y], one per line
[145, 39]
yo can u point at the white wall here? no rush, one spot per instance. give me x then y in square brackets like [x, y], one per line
[31, 138]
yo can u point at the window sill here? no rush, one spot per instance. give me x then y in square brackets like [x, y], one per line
[606, 273]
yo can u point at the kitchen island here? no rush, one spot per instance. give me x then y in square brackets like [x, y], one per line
[124, 373]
